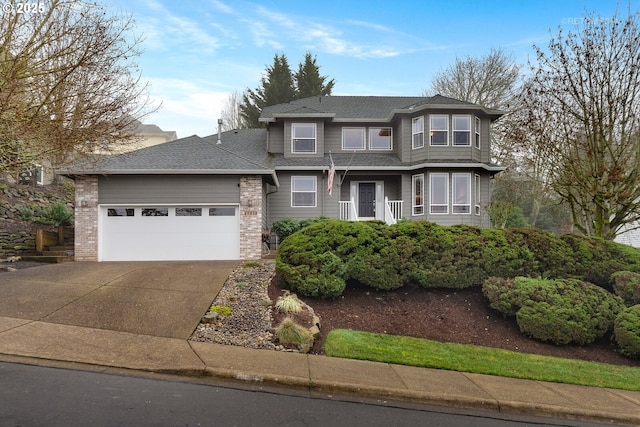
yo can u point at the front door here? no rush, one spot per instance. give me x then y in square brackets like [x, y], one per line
[367, 200]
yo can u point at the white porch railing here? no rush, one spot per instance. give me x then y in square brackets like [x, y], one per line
[392, 210]
[348, 210]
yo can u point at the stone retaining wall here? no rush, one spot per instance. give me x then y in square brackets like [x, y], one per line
[17, 237]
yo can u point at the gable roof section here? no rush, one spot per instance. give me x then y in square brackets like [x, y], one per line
[365, 108]
[240, 152]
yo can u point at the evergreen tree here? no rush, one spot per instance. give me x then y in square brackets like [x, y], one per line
[308, 80]
[276, 88]
[280, 85]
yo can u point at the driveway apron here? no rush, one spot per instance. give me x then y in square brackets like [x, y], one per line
[163, 299]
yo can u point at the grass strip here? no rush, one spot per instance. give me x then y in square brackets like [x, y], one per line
[481, 360]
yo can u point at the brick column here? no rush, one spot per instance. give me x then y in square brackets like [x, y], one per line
[86, 219]
[250, 217]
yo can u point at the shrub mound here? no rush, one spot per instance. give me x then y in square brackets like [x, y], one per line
[627, 285]
[626, 331]
[562, 311]
[319, 259]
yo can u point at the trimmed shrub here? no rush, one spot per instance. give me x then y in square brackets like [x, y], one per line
[626, 332]
[561, 311]
[595, 259]
[626, 284]
[327, 253]
[552, 256]
[286, 226]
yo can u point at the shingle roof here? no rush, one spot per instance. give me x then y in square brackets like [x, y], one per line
[243, 150]
[363, 108]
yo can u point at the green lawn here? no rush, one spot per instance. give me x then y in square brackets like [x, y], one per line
[482, 360]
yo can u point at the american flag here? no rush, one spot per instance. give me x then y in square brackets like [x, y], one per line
[332, 172]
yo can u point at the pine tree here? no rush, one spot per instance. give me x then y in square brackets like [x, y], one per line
[279, 85]
[308, 80]
[276, 88]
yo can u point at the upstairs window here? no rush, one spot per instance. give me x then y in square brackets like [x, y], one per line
[417, 132]
[303, 138]
[461, 195]
[380, 138]
[461, 130]
[353, 139]
[303, 191]
[477, 141]
[439, 129]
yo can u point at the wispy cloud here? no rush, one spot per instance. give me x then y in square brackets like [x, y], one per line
[169, 30]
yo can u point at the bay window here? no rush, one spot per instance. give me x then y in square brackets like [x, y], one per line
[417, 132]
[417, 184]
[461, 195]
[461, 130]
[439, 193]
[439, 129]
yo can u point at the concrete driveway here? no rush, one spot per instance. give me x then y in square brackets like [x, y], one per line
[163, 299]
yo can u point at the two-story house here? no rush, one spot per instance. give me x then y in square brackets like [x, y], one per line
[347, 157]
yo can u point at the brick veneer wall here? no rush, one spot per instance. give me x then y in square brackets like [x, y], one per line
[250, 217]
[86, 219]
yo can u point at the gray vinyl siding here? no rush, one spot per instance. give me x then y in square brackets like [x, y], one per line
[275, 138]
[280, 201]
[158, 189]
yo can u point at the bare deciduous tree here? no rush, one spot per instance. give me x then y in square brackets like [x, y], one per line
[230, 113]
[68, 83]
[582, 114]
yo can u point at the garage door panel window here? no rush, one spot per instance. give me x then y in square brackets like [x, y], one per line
[155, 211]
[222, 211]
[188, 211]
[120, 212]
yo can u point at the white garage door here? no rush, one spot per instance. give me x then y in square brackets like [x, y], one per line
[165, 233]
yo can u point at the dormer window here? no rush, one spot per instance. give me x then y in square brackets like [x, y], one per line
[303, 138]
[380, 139]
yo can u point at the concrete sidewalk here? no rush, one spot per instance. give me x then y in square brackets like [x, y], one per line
[37, 321]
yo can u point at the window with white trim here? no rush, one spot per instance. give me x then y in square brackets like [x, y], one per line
[461, 194]
[417, 185]
[477, 195]
[439, 129]
[439, 193]
[417, 132]
[477, 140]
[353, 138]
[380, 138]
[461, 130]
[303, 191]
[303, 137]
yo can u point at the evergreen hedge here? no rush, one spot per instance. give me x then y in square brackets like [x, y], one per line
[319, 259]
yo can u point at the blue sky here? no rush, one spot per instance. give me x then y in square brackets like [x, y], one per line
[197, 52]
